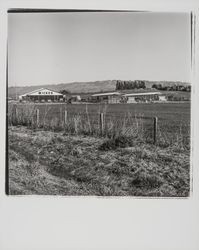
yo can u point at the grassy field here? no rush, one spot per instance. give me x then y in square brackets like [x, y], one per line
[166, 111]
[49, 163]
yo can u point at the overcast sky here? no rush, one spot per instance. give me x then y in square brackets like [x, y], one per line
[47, 48]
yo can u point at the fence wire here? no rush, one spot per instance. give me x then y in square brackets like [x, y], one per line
[76, 121]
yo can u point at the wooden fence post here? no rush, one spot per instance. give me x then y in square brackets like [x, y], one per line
[61, 117]
[155, 127]
[101, 123]
[16, 115]
[37, 117]
[65, 117]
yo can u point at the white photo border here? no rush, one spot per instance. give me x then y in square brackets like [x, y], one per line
[49, 222]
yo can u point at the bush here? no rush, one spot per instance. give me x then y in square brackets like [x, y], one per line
[120, 141]
[143, 180]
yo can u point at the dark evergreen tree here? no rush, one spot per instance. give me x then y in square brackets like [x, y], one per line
[64, 92]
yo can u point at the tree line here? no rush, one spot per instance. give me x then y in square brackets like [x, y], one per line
[137, 84]
[172, 88]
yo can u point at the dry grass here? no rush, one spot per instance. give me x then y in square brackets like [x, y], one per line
[45, 162]
[23, 116]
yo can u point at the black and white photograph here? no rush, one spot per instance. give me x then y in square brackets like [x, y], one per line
[99, 103]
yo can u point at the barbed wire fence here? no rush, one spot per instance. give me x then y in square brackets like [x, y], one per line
[152, 129]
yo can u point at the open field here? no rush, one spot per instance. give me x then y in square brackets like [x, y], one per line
[167, 111]
[49, 163]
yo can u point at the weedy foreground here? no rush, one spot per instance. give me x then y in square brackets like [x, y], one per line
[57, 163]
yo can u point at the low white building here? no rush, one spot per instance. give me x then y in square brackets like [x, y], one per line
[144, 97]
[110, 97]
[42, 95]
[162, 98]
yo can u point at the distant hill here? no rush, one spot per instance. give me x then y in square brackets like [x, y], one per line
[82, 87]
[75, 87]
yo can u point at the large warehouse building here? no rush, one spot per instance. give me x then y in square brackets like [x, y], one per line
[42, 95]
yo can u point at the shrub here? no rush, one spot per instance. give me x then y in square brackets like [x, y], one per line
[21, 114]
[144, 180]
[120, 141]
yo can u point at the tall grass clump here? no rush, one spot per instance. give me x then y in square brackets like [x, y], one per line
[176, 135]
[21, 114]
[124, 132]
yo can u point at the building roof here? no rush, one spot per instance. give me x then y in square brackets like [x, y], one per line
[36, 92]
[107, 94]
[142, 94]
